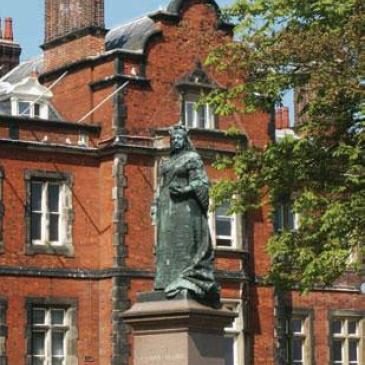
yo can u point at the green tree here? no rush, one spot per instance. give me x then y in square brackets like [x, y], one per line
[317, 45]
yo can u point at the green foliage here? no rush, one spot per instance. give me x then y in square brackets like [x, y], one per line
[315, 47]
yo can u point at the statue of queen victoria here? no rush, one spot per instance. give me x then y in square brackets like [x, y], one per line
[184, 252]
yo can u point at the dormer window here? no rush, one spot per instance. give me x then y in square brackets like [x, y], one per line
[198, 116]
[27, 109]
[192, 87]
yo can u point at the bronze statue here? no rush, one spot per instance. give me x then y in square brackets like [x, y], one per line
[184, 251]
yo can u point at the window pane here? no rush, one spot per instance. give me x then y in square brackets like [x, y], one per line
[353, 350]
[53, 228]
[222, 210]
[297, 349]
[223, 227]
[24, 108]
[58, 343]
[337, 350]
[57, 316]
[337, 327]
[296, 325]
[57, 361]
[53, 197]
[38, 343]
[36, 226]
[278, 218]
[38, 316]
[37, 110]
[38, 361]
[289, 218]
[201, 117]
[352, 327]
[36, 196]
[228, 350]
[189, 114]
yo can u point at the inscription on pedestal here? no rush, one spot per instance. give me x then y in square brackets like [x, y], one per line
[161, 349]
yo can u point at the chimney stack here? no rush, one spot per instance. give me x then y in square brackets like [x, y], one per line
[8, 33]
[9, 50]
[74, 30]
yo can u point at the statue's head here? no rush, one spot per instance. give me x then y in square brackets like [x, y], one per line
[179, 138]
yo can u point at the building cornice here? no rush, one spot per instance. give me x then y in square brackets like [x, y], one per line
[26, 121]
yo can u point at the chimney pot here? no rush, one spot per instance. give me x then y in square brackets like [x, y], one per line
[8, 33]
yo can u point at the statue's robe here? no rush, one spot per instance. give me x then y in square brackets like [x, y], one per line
[184, 251]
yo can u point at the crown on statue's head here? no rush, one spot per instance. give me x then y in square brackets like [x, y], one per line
[178, 129]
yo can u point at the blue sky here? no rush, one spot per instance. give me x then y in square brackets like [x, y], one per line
[28, 18]
[28, 21]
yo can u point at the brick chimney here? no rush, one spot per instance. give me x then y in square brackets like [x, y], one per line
[74, 30]
[9, 50]
[282, 118]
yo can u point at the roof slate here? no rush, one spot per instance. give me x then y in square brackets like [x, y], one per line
[24, 70]
[131, 36]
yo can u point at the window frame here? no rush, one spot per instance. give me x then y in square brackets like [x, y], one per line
[210, 116]
[306, 334]
[70, 306]
[64, 246]
[31, 112]
[347, 315]
[237, 232]
[285, 208]
[237, 330]
[46, 214]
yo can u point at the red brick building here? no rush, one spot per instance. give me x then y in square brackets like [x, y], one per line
[76, 240]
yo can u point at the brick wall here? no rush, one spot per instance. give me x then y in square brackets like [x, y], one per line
[73, 50]
[65, 16]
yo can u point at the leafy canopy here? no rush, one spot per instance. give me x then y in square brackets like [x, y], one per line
[315, 47]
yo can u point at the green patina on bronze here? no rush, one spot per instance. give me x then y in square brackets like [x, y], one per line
[184, 251]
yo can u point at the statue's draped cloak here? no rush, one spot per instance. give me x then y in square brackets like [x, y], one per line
[184, 252]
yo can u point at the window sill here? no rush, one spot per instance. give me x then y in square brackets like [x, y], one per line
[230, 252]
[61, 250]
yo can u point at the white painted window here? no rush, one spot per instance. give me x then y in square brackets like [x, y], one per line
[50, 328]
[226, 229]
[27, 108]
[347, 341]
[198, 116]
[48, 200]
[298, 350]
[234, 338]
[285, 218]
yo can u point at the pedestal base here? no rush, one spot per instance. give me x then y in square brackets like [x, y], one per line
[177, 332]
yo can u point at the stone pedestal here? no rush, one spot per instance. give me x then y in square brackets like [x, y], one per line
[177, 332]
